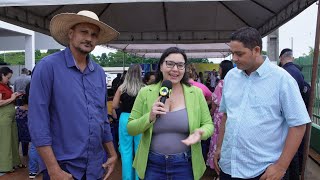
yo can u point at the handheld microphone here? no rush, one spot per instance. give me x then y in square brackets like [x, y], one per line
[164, 92]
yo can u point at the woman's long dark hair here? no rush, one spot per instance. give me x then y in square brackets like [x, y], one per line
[225, 66]
[5, 71]
[166, 53]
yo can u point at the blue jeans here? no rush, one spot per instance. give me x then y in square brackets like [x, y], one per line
[128, 146]
[173, 167]
[33, 159]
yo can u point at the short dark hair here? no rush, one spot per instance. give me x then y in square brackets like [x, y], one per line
[24, 71]
[5, 71]
[166, 53]
[286, 50]
[147, 76]
[250, 37]
[225, 66]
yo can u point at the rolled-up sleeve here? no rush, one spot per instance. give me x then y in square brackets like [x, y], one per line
[39, 102]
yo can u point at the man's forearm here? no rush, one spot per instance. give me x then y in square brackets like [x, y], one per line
[291, 146]
[49, 158]
[110, 149]
[222, 130]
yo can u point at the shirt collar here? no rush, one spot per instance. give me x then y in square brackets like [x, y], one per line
[71, 62]
[287, 64]
[263, 69]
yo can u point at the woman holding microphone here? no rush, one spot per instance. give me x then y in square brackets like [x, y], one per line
[170, 146]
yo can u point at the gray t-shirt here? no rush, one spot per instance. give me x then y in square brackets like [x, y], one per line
[21, 83]
[168, 131]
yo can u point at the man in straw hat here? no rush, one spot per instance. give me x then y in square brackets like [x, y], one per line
[67, 111]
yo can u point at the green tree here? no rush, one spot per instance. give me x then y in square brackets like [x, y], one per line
[264, 53]
[202, 60]
[51, 51]
[1, 58]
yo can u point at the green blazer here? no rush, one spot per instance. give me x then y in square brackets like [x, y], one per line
[198, 115]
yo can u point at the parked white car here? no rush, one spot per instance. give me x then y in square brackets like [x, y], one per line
[109, 79]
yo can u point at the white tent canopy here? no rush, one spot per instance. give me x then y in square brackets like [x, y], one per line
[162, 22]
[210, 50]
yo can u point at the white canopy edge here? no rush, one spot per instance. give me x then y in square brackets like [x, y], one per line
[65, 2]
[206, 50]
[189, 55]
[159, 48]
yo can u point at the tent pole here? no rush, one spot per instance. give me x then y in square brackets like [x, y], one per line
[312, 95]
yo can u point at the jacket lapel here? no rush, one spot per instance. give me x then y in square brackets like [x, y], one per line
[152, 94]
[189, 97]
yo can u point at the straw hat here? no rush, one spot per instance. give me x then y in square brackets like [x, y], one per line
[61, 24]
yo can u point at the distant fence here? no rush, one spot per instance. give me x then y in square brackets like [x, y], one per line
[307, 72]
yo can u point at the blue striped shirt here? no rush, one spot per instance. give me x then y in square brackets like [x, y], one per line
[260, 109]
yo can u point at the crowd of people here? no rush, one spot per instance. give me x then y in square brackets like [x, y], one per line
[245, 122]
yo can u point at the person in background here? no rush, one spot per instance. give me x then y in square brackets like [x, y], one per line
[149, 78]
[24, 136]
[68, 119]
[124, 99]
[264, 116]
[19, 86]
[286, 60]
[170, 145]
[208, 81]
[122, 77]
[200, 79]
[9, 146]
[192, 74]
[116, 82]
[21, 81]
[213, 79]
[22, 123]
[224, 68]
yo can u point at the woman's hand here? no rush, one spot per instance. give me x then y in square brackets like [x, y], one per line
[157, 109]
[15, 95]
[194, 137]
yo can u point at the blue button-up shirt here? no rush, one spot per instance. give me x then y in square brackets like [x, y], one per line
[67, 110]
[260, 109]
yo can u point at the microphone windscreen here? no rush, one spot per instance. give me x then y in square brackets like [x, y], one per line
[167, 83]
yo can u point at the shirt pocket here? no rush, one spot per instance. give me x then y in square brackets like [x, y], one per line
[264, 104]
[98, 96]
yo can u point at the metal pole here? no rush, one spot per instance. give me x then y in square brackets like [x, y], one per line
[311, 102]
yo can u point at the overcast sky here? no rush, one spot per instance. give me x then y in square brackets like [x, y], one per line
[301, 29]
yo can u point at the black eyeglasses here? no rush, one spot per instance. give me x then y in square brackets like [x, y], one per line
[171, 64]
